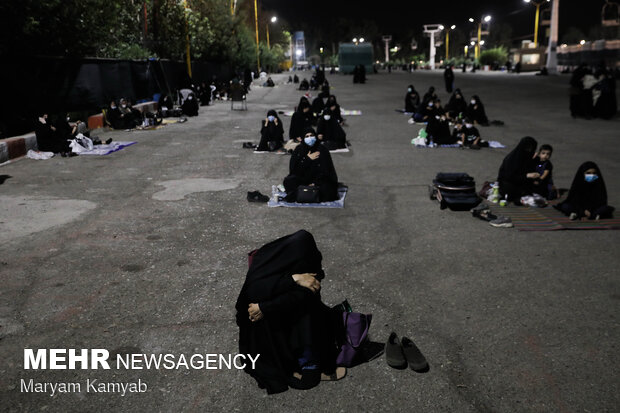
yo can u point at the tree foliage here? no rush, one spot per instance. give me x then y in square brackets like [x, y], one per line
[135, 29]
[491, 56]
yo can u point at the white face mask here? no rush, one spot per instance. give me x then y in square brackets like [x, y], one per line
[68, 118]
[409, 90]
[468, 125]
[190, 97]
[327, 117]
[271, 118]
[430, 104]
[473, 102]
[123, 106]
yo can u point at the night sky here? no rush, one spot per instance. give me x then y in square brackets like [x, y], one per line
[399, 17]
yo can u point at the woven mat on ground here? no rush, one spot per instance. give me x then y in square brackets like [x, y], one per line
[169, 121]
[342, 150]
[275, 193]
[548, 219]
[107, 149]
[345, 112]
[492, 145]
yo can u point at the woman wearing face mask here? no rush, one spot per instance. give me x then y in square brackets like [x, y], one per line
[301, 120]
[412, 100]
[311, 164]
[113, 116]
[475, 111]
[514, 179]
[334, 107]
[190, 105]
[271, 133]
[587, 197]
[330, 133]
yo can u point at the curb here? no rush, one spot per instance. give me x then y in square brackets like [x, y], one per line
[17, 146]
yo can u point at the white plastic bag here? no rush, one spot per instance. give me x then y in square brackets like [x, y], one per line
[39, 155]
[81, 144]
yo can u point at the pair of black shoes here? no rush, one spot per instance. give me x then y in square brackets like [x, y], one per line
[400, 353]
[256, 196]
[248, 145]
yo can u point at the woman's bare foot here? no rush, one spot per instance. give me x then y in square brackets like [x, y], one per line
[338, 374]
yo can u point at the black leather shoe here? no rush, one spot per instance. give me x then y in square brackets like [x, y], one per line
[394, 353]
[414, 356]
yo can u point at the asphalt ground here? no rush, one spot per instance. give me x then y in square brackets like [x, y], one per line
[144, 251]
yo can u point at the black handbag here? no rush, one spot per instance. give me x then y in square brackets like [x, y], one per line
[307, 194]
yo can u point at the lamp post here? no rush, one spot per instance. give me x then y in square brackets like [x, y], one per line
[431, 29]
[537, 4]
[188, 58]
[448, 41]
[273, 20]
[257, 50]
[552, 59]
[486, 19]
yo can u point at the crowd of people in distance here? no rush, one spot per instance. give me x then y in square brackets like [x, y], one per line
[593, 93]
[56, 135]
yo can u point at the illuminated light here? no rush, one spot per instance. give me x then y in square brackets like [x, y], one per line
[453, 27]
[274, 19]
[473, 43]
[441, 27]
[361, 40]
[321, 50]
[355, 40]
[527, 1]
[582, 42]
[471, 20]
[298, 52]
[481, 42]
[487, 19]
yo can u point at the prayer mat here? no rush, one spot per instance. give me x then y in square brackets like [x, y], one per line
[345, 112]
[107, 149]
[169, 121]
[404, 112]
[275, 193]
[549, 219]
[492, 145]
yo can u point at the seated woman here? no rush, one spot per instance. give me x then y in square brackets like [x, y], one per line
[190, 105]
[514, 179]
[334, 107]
[281, 317]
[271, 133]
[129, 117]
[48, 139]
[429, 96]
[304, 85]
[269, 83]
[329, 131]
[456, 106]
[311, 165]
[301, 120]
[587, 197]
[475, 111]
[113, 116]
[325, 90]
[317, 107]
[424, 113]
[438, 130]
[412, 100]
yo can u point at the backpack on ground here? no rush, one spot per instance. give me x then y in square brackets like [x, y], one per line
[454, 190]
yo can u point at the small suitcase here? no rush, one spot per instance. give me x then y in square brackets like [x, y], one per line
[454, 190]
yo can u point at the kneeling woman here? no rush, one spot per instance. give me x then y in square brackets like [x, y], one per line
[514, 179]
[271, 133]
[311, 165]
[281, 317]
[587, 197]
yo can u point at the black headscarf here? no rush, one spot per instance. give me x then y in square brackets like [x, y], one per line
[271, 131]
[300, 121]
[587, 195]
[331, 130]
[457, 105]
[476, 111]
[516, 164]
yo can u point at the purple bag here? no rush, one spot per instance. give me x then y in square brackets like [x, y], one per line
[354, 335]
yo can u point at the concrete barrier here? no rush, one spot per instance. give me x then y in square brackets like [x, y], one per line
[17, 146]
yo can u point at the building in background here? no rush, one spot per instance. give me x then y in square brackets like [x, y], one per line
[299, 50]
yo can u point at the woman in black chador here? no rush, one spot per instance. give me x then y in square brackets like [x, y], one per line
[271, 133]
[514, 179]
[475, 111]
[329, 131]
[587, 197]
[281, 317]
[457, 105]
[301, 120]
[311, 164]
[412, 100]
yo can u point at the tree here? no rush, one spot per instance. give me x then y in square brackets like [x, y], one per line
[495, 55]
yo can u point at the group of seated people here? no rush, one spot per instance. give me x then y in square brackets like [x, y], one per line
[325, 114]
[526, 171]
[429, 106]
[56, 136]
[123, 115]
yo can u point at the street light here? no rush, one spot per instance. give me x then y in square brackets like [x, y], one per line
[188, 58]
[486, 19]
[537, 3]
[448, 39]
[361, 40]
[273, 20]
[355, 40]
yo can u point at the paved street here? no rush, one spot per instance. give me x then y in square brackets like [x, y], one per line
[144, 250]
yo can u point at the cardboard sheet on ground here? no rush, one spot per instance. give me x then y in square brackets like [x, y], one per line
[275, 193]
[549, 219]
[107, 149]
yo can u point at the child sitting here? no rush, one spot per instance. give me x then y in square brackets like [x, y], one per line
[467, 135]
[542, 164]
